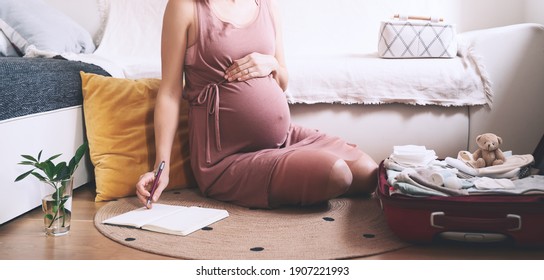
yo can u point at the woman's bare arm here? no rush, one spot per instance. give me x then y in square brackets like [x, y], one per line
[177, 21]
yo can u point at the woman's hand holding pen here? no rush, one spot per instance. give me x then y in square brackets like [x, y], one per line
[144, 186]
[253, 65]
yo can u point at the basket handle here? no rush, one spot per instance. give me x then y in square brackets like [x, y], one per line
[405, 17]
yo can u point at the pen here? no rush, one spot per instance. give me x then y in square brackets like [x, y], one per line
[155, 183]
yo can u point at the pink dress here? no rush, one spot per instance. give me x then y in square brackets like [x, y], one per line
[243, 145]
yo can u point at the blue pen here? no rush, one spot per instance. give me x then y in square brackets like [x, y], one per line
[155, 183]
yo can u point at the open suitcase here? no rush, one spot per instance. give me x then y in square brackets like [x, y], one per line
[484, 218]
[516, 219]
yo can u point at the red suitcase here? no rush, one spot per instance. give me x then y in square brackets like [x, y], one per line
[517, 219]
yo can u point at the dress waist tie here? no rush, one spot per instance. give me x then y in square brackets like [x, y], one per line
[210, 97]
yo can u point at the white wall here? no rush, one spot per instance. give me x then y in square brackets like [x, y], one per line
[323, 26]
[534, 11]
[319, 26]
[479, 14]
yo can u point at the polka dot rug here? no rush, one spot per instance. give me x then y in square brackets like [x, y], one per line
[343, 228]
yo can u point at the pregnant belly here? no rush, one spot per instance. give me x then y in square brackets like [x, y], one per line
[254, 115]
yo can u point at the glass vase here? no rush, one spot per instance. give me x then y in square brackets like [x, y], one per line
[57, 206]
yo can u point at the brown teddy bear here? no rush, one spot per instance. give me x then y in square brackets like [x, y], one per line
[489, 153]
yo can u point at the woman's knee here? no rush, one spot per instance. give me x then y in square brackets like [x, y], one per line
[365, 174]
[340, 179]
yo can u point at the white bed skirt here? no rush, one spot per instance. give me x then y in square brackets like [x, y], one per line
[55, 132]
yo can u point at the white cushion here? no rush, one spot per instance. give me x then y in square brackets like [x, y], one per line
[38, 29]
[132, 38]
[6, 49]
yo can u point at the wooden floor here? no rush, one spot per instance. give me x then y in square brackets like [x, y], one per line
[23, 239]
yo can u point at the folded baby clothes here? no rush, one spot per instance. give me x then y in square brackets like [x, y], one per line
[526, 186]
[412, 156]
[419, 178]
[453, 182]
[411, 190]
[445, 178]
[486, 183]
[390, 164]
[401, 184]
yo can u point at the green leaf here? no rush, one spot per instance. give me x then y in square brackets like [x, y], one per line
[48, 168]
[31, 158]
[27, 163]
[39, 176]
[40, 155]
[80, 152]
[62, 171]
[53, 157]
[49, 216]
[22, 176]
[72, 166]
[65, 175]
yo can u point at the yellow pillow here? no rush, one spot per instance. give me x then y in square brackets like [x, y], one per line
[119, 122]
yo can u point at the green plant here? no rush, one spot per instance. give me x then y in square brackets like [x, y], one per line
[56, 176]
[50, 171]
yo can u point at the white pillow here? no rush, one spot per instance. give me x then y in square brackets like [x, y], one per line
[36, 28]
[6, 49]
[132, 38]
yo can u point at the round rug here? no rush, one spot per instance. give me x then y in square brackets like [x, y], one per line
[343, 228]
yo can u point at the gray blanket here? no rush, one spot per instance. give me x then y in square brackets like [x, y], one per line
[35, 85]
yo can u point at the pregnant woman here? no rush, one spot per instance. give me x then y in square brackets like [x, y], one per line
[244, 149]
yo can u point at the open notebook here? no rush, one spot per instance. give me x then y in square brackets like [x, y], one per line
[171, 219]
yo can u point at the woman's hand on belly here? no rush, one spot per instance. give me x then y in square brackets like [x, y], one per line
[253, 65]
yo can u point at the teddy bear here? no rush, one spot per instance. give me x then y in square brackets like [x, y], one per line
[489, 153]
